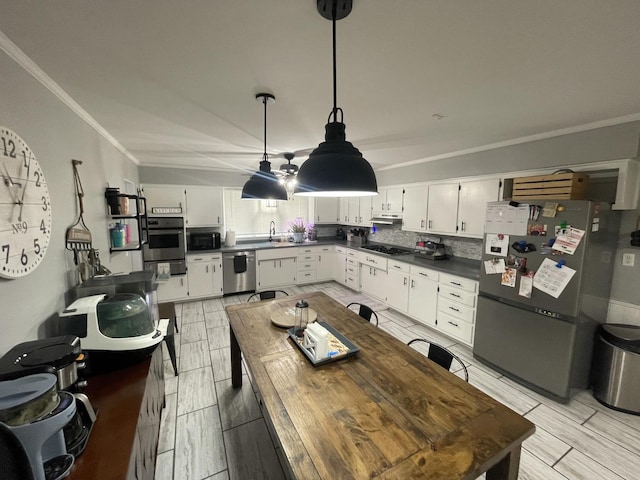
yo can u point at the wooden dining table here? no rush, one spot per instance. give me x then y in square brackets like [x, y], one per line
[386, 413]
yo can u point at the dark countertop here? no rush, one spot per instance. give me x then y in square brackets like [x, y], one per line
[463, 267]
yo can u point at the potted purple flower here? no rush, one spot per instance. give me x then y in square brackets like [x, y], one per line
[298, 227]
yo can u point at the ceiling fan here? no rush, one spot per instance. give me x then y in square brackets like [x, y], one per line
[288, 171]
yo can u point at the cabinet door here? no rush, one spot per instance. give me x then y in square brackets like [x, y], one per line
[326, 210]
[339, 271]
[442, 208]
[354, 210]
[204, 206]
[276, 273]
[343, 209]
[473, 203]
[394, 199]
[373, 281]
[423, 300]
[325, 266]
[173, 289]
[398, 290]
[414, 217]
[163, 197]
[217, 276]
[200, 275]
[364, 217]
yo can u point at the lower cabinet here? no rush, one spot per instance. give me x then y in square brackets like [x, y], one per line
[456, 315]
[276, 268]
[423, 295]
[373, 281]
[352, 273]
[204, 275]
[340, 265]
[175, 288]
[398, 285]
[315, 264]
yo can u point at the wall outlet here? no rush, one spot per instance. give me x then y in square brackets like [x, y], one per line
[628, 259]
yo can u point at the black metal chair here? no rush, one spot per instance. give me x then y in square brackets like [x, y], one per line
[266, 295]
[442, 356]
[365, 312]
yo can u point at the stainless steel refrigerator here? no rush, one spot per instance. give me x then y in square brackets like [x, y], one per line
[545, 342]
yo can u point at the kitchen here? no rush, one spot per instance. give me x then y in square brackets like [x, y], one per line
[47, 116]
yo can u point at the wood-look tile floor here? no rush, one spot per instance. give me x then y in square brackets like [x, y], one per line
[212, 431]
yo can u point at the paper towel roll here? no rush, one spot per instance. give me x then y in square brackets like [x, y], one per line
[230, 239]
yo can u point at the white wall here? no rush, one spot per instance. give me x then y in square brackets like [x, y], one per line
[56, 134]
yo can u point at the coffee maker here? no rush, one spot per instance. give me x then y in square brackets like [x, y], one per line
[32, 415]
[62, 357]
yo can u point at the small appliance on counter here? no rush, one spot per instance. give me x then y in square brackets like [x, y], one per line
[433, 250]
[340, 235]
[116, 330]
[61, 356]
[34, 412]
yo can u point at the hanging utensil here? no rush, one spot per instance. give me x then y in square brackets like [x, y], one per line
[78, 235]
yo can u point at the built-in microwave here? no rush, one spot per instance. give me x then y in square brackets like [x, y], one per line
[203, 241]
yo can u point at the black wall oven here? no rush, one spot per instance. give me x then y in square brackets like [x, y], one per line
[166, 244]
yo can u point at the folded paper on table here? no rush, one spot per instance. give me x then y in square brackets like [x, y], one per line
[163, 325]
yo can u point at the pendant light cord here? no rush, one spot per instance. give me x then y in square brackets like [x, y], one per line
[264, 155]
[335, 110]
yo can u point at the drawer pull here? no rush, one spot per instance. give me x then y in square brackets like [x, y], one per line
[423, 274]
[405, 281]
[454, 309]
[456, 284]
[455, 295]
[451, 323]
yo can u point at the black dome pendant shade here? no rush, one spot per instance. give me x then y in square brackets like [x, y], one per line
[264, 185]
[335, 168]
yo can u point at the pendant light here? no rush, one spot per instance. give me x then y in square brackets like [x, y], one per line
[264, 185]
[335, 168]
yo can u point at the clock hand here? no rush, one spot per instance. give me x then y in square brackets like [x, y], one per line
[10, 184]
[26, 183]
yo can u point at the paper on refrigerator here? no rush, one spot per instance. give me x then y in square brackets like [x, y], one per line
[552, 280]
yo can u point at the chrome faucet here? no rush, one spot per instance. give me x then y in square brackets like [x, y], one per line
[272, 230]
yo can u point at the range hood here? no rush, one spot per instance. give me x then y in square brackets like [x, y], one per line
[387, 219]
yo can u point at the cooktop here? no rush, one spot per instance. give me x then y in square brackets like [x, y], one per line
[388, 250]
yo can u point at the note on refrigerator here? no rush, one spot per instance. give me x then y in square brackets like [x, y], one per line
[494, 266]
[568, 240]
[497, 244]
[552, 280]
[507, 218]
[526, 285]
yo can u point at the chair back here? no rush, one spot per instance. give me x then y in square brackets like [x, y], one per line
[266, 295]
[443, 357]
[365, 312]
[14, 462]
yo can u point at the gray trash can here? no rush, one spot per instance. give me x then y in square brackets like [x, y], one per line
[615, 373]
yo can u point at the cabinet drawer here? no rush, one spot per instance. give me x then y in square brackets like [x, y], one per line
[352, 253]
[352, 282]
[424, 273]
[341, 250]
[352, 261]
[353, 271]
[454, 327]
[276, 253]
[458, 295]
[304, 266]
[206, 257]
[398, 266]
[307, 276]
[458, 310]
[307, 258]
[373, 261]
[459, 282]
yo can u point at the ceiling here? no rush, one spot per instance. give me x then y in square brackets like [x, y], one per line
[175, 82]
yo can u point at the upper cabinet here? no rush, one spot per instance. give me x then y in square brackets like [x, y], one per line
[472, 205]
[326, 210]
[164, 200]
[452, 208]
[356, 211]
[388, 201]
[204, 206]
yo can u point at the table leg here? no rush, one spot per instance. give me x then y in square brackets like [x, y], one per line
[171, 346]
[507, 468]
[236, 361]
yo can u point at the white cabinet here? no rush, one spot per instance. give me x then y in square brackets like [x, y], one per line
[373, 275]
[442, 211]
[173, 289]
[343, 209]
[423, 295]
[414, 217]
[167, 200]
[204, 274]
[472, 205]
[340, 265]
[356, 211]
[204, 206]
[326, 210]
[352, 273]
[389, 200]
[276, 268]
[457, 299]
[315, 264]
[398, 285]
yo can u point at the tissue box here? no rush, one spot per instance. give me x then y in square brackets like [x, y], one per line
[316, 340]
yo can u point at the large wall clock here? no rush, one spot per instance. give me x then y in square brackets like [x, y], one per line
[25, 208]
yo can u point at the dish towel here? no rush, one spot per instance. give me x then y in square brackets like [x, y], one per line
[240, 263]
